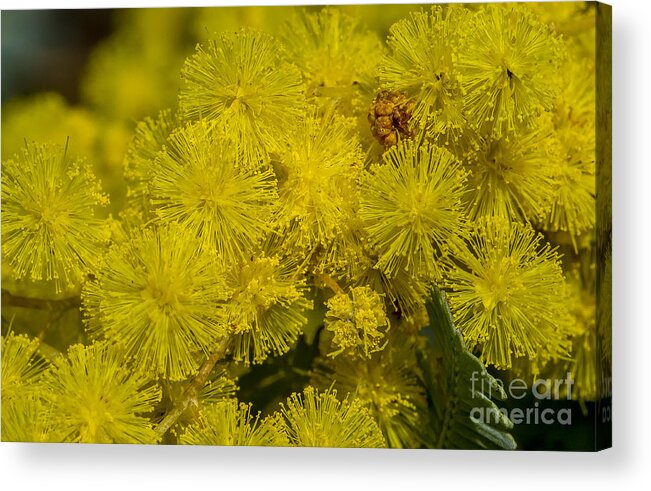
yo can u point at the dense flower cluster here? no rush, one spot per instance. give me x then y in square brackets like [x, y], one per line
[280, 213]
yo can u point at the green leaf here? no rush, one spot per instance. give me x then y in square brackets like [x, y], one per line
[462, 414]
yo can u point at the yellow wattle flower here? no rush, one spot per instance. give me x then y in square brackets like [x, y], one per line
[22, 367]
[573, 206]
[319, 419]
[241, 82]
[411, 208]
[358, 322]
[387, 383]
[254, 181]
[512, 176]
[317, 185]
[508, 295]
[337, 55]
[584, 361]
[96, 398]
[149, 138]
[231, 423]
[50, 228]
[158, 295]
[421, 65]
[266, 311]
[509, 63]
[574, 201]
[28, 419]
[198, 183]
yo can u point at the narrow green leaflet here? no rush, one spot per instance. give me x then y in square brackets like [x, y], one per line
[462, 414]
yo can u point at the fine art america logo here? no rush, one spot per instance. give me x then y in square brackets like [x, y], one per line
[541, 389]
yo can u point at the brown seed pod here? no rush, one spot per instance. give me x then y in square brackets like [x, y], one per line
[389, 117]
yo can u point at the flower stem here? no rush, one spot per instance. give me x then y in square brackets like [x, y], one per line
[329, 282]
[11, 300]
[191, 392]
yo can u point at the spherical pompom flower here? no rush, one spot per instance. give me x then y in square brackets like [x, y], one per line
[317, 180]
[583, 362]
[387, 383]
[358, 322]
[158, 296]
[230, 423]
[319, 419]
[421, 66]
[573, 207]
[197, 183]
[25, 417]
[21, 365]
[50, 229]
[241, 82]
[28, 419]
[411, 207]
[512, 176]
[508, 294]
[509, 63]
[267, 308]
[337, 55]
[149, 138]
[97, 398]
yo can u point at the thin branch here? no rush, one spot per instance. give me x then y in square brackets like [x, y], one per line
[191, 392]
[11, 300]
[329, 282]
